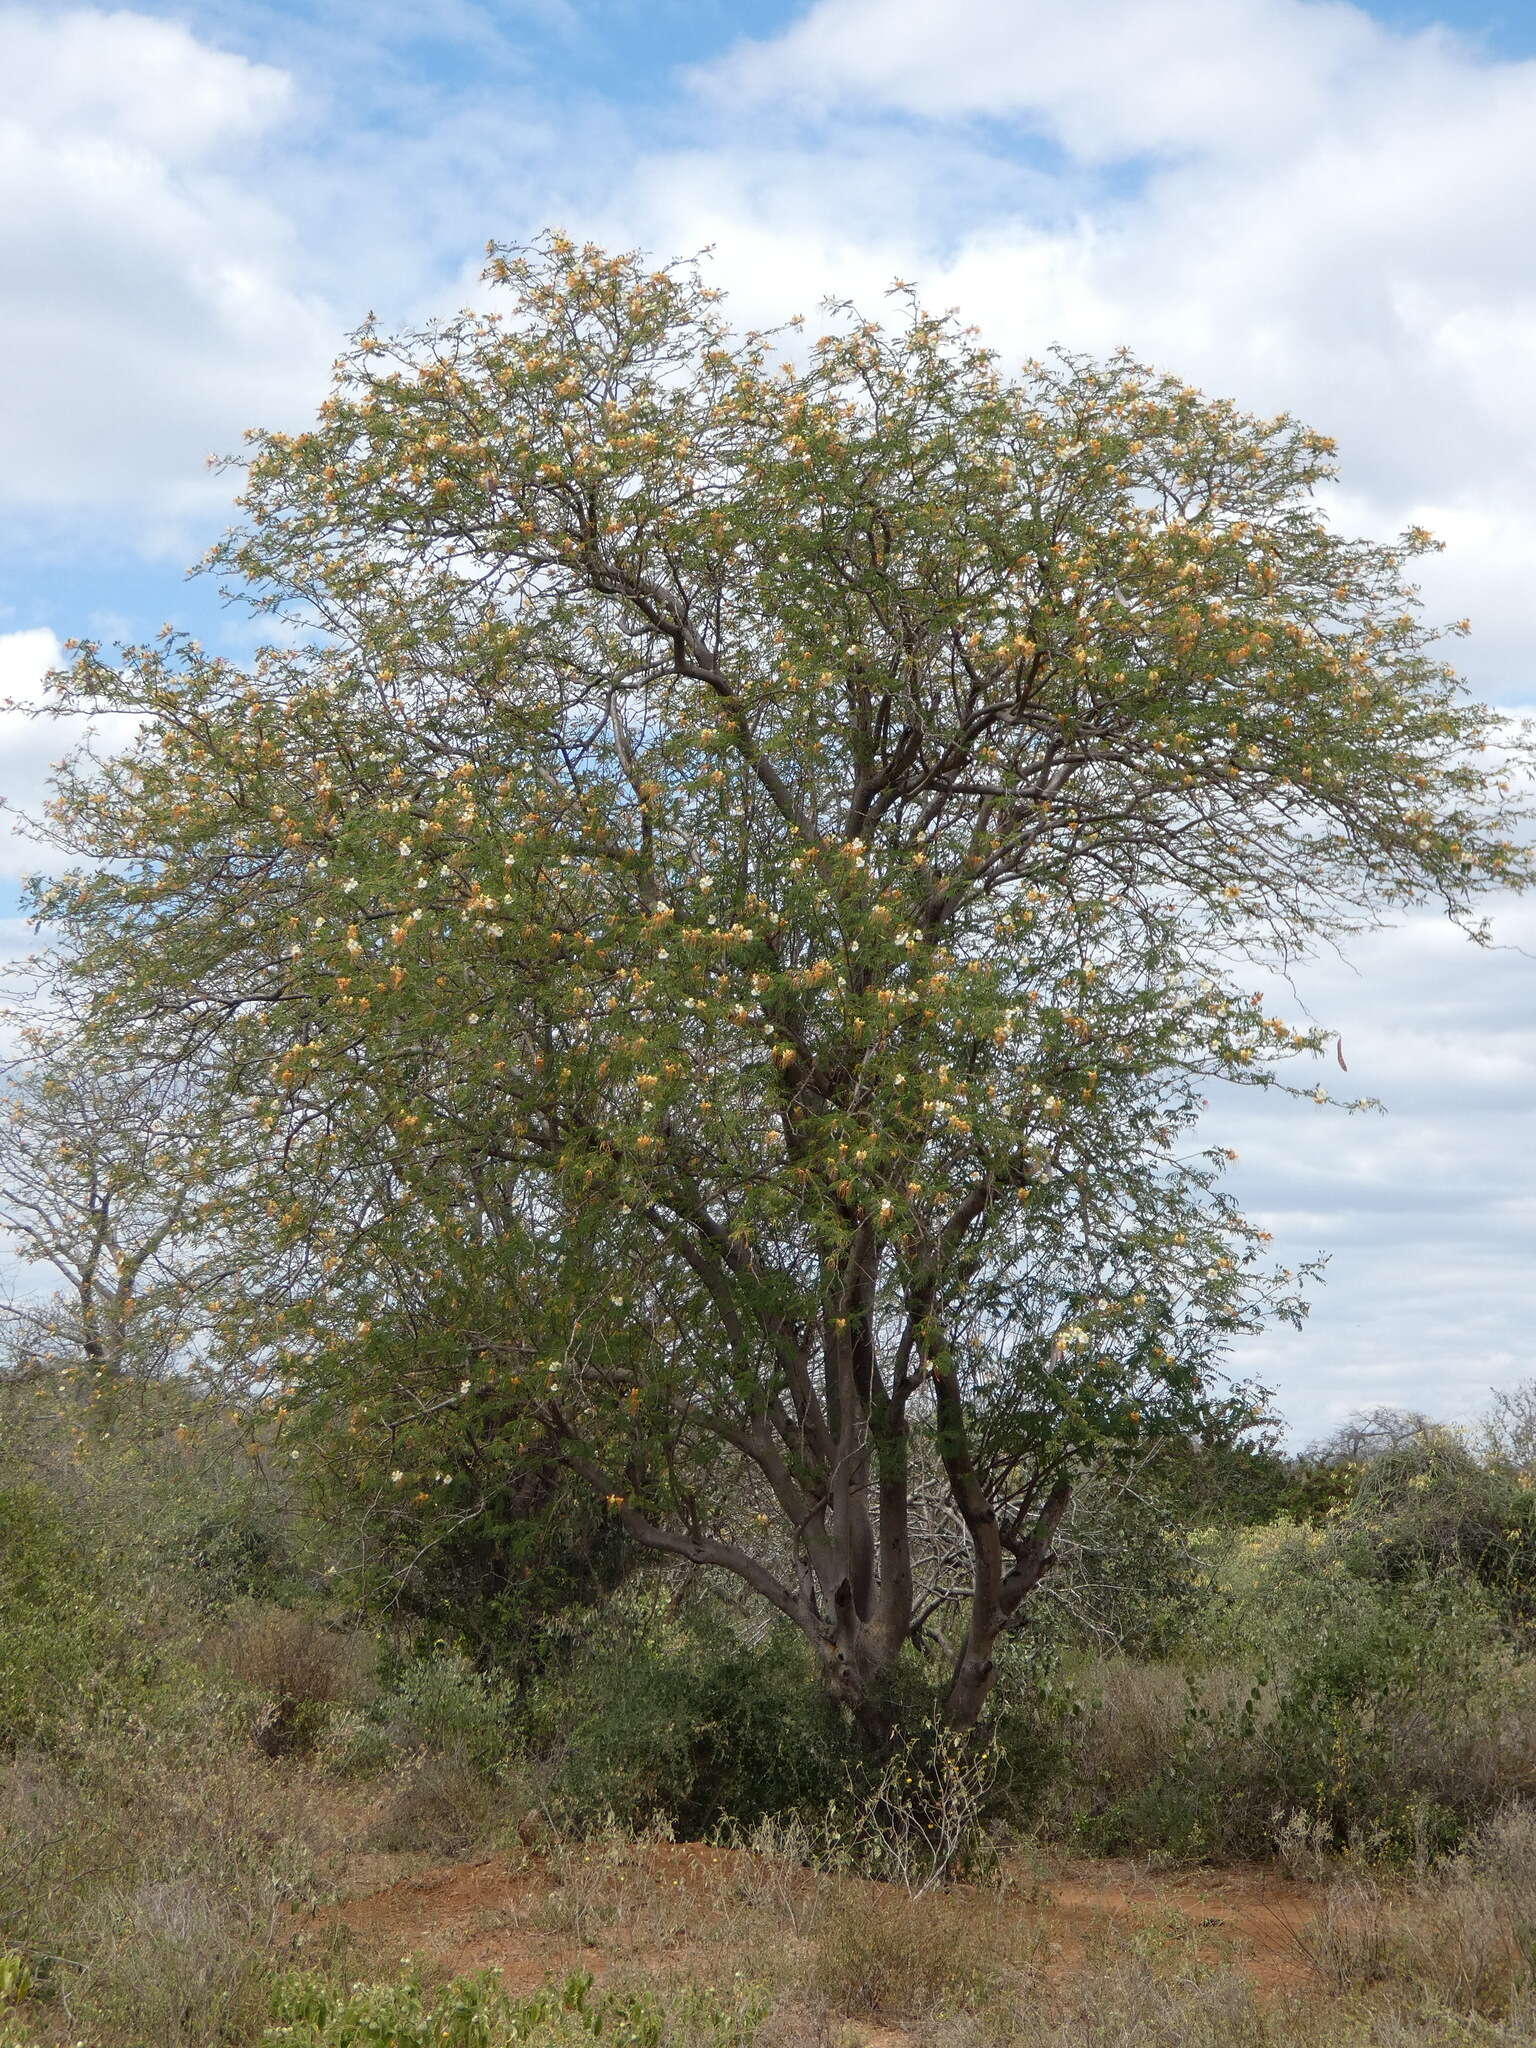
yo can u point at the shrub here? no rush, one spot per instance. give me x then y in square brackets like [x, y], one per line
[68, 1648]
[158, 1866]
[44, 1616]
[474, 2012]
[176, 1492]
[700, 1733]
[1388, 1715]
[171, 1962]
[540, 1547]
[435, 1700]
[918, 1818]
[441, 1804]
[1430, 1505]
[296, 1668]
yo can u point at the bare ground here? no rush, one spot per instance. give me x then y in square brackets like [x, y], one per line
[625, 1911]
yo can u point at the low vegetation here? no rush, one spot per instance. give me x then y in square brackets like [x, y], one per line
[214, 1732]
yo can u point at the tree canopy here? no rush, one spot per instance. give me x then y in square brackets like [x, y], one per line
[726, 895]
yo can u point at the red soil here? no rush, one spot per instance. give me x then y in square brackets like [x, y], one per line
[670, 1907]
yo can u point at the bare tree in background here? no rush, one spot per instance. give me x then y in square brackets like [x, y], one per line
[102, 1188]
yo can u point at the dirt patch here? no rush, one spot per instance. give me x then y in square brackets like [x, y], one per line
[673, 1909]
[1250, 1919]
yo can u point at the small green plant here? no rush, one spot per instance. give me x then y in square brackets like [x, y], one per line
[474, 2012]
[438, 1702]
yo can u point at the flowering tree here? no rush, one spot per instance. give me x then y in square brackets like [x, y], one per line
[726, 899]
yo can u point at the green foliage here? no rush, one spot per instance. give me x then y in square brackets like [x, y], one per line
[1130, 1576]
[474, 2012]
[705, 938]
[1430, 1506]
[180, 1488]
[44, 1634]
[67, 1646]
[487, 1555]
[689, 1730]
[1390, 1713]
[1243, 1481]
[436, 1700]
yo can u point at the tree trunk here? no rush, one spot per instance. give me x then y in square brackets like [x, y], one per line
[975, 1671]
[995, 1603]
[859, 1696]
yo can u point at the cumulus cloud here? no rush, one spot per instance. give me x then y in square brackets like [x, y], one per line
[1283, 200]
[1104, 79]
[149, 302]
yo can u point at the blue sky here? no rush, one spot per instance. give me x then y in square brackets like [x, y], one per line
[1303, 204]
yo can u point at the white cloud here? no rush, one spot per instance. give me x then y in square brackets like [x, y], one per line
[1426, 1210]
[1103, 78]
[1282, 200]
[139, 82]
[31, 744]
[150, 312]
[27, 745]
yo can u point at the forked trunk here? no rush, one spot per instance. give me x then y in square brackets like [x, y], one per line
[969, 1689]
[996, 1599]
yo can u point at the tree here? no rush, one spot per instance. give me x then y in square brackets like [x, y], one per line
[726, 901]
[105, 1177]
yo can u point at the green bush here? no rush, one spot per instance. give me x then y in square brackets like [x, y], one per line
[65, 1647]
[543, 1547]
[1430, 1505]
[1389, 1714]
[178, 1489]
[434, 1699]
[695, 1731]
[474, 2012]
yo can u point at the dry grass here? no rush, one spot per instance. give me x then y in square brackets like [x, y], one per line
[1446, 1959]
[172, 1961]
[1464, 1938]
[771, 1880]
[879, 1953]
[1138, 1714]
[159, 1870]
[146, 1878]
[439, 1805]
[591, 1889]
